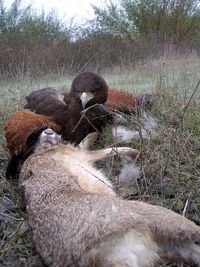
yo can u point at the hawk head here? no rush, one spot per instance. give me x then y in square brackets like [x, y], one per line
[90, 88]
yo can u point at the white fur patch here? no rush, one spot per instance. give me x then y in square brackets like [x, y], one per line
[129, 172]
[132, 249]
[61, 98]
[148, 130]
[124, 135]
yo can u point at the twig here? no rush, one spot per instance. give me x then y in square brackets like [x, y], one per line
[186, 206]
[100, 179]
[83, 112]
[188, 103]
[178, 124]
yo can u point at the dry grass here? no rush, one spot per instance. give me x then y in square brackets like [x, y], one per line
[169, 164]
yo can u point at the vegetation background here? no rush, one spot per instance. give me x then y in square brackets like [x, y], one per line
[122, 35]
[137, 45]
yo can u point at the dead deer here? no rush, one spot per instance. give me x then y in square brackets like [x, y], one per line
[77, 219]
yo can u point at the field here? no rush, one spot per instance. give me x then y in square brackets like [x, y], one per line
[169, 164]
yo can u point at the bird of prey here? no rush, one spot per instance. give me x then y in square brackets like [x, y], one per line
[66, 109]
[21, 132]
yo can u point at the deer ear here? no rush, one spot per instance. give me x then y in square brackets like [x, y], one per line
[89, 140]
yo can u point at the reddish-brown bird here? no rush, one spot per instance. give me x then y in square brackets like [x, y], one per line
[122, 101]
[21, 133]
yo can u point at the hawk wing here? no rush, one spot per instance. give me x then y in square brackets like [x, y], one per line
[47, 101]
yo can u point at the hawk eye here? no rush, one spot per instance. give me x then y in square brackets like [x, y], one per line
[93, 91]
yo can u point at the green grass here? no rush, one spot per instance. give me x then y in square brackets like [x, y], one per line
[170, 164]
[180, 73]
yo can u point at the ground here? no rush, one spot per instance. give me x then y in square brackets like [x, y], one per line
[169, 164]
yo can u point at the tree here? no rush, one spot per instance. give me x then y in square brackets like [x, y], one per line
[174, 20]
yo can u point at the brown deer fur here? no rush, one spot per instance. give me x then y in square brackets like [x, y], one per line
[77, 219]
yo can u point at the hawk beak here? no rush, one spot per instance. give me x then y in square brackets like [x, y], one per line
[85, 97]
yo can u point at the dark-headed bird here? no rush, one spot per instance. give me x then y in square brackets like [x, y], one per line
[87, 90]
[86, 108]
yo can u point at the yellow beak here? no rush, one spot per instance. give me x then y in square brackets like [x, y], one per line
[85, 97]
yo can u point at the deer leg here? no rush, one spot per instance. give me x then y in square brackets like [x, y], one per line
[112, 151]
[89, 140]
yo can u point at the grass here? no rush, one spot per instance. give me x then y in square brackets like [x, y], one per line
[169, 164]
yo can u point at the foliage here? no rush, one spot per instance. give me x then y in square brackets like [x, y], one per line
[175, 20]
[120, 35]
[27, 39]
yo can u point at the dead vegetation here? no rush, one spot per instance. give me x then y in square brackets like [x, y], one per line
[169, 167]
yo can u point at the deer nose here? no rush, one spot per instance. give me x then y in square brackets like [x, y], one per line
[49, 131]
